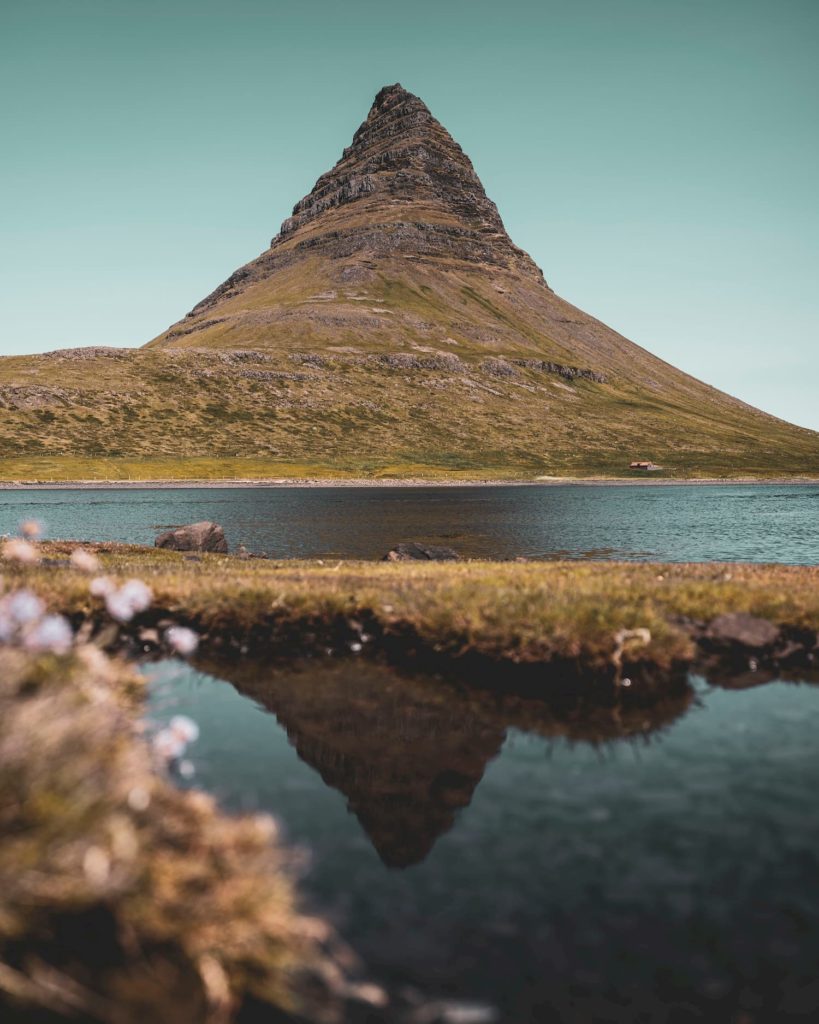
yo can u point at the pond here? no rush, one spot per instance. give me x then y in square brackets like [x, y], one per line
[699, 523]
[550, 863]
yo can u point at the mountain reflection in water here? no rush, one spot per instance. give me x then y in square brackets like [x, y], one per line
[407, 752]
[560, 863]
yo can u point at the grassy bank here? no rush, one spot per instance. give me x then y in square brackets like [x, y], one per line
[130, 478]
[555, 621]
[64, 469]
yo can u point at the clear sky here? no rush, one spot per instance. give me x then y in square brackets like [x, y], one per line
[658, 158]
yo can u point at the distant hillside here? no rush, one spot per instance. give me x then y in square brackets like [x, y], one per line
[392, 328]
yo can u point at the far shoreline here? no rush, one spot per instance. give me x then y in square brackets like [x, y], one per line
[410, 482]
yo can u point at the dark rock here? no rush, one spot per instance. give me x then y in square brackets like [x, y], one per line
[743, 630]
[415, 552]
[568, 372]
[204, 536]
[499, 368]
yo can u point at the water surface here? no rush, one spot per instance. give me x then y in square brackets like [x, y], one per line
[755, 523]
[645, 866]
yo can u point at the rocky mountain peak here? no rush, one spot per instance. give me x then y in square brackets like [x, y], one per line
[395, 99]
[404, 171]
[391, 94]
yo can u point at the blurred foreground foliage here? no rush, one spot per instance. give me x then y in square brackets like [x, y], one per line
[123, 899]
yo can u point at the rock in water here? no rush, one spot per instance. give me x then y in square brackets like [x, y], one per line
[415, 552]
[204, 536]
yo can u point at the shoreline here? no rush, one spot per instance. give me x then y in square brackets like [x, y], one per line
[536, 628]
[318, 482]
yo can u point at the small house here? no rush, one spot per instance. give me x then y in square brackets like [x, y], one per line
[645, 467]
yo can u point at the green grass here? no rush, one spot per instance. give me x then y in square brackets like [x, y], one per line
[185, 408]
[565, 614]
[155, 415]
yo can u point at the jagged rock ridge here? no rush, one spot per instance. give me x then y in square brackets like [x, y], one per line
[401, 157]
[413, 191]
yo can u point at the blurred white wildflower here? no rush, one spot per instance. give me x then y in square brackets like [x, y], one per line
[52, 633]
[138, 594]
[182, 640]
[96, 865]
[168, 745]
[23, 607]
[266, 826]
[31, 529]
[119, 608]
[186, 769]
[139, 798]
[84, 560]
[102, 586]
[16, 550]
[132, 597]
[171, 743]
[23, 621]
[185, 728]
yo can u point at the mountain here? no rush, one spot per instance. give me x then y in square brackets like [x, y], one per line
[391, 328]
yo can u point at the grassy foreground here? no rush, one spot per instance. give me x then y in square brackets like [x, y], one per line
[123, 899]
[558, 620]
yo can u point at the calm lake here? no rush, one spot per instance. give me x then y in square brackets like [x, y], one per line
[644, 867]
[757, 523]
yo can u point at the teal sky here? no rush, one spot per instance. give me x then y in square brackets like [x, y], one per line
[658, 158]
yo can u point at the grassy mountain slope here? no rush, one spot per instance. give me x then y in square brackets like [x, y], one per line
[167, 414]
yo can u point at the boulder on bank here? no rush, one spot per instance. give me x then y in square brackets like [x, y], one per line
[204, 536]
[744, 630]
[415, 552]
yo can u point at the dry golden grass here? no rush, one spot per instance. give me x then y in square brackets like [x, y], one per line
[183, 414]
[121, 898]
[566, 613]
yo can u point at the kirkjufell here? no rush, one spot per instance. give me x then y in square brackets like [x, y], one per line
[392, 328]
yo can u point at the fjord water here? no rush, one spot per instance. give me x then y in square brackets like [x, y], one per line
[655, 866]
[755, 523]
